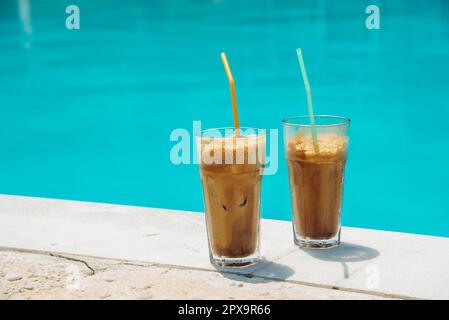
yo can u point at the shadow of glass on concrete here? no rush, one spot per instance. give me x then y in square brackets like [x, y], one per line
[278, 272]
[344, 253]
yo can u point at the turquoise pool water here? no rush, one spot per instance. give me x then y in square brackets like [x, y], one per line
[87, 114]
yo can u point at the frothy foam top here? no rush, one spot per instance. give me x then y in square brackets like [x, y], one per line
[330, 146]
[249, 149]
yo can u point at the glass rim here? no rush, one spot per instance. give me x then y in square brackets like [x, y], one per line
[258, 131]
[342, 121]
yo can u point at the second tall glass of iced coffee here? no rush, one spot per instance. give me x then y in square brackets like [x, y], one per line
[231, 167]
[316, 173]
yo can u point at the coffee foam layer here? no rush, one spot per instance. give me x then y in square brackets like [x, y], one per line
[248, 149]
[329, 146]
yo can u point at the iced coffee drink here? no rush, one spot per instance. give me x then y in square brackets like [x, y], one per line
[231, 167]
[316, 175]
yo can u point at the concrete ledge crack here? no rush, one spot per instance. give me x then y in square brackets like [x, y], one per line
[73, 259]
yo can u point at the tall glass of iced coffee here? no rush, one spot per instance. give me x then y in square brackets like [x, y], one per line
[316, 173]
[231, 167]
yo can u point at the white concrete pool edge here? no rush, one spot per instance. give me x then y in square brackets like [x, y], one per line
[388, 264]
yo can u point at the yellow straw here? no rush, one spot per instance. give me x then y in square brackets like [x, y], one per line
[233, 97]
[309, 99]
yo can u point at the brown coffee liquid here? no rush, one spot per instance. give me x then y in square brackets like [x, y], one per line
[316, 184]
[232, 204]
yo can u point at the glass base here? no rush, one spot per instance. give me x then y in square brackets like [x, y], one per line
[317, 244]
[308, 243]
[234, 262]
